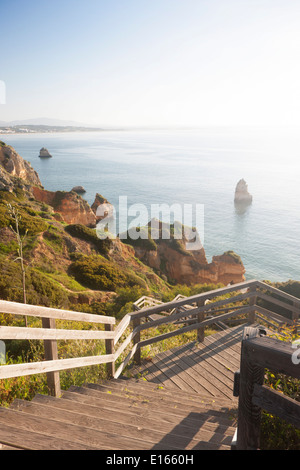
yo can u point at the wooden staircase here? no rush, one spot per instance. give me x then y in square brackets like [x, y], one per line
[119, 415]
[181, 399]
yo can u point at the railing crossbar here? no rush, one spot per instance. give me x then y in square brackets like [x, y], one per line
[188, 309]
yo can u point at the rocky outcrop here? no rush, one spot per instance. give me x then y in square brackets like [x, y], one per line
[78, 189]
[72, 207]
[104, 205]
[171, 259]
[242, 195]
[191, 267]
[229, 268]
[6, 182]
[13, 165]
[44, 153]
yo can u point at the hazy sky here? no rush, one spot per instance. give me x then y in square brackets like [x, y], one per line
[152, 62]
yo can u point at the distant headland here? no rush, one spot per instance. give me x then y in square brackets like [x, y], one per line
[43, 129]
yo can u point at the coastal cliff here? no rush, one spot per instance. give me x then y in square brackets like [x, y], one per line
[13, 166]
[75, 252]
[71, 206]
[171, 259]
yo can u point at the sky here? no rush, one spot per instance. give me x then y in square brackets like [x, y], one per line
[151, 63]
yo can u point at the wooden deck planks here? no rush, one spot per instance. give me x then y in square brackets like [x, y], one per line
[206, 367]
[184, 402]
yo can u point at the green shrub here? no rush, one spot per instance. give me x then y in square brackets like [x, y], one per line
[98, 273]
[40, 289]
[54, 239]
[234, 256]
[144, 241]
[29, 220]
[5, 219]
[32, 224]
[88, 234]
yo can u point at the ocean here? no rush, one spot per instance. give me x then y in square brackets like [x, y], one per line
[194, 167]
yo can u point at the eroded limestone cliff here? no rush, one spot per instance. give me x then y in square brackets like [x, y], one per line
[12, 165]
[191, 267]
[71, 206]
[168, 258]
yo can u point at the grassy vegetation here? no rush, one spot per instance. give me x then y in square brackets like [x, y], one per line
[30, 219]
[276, 433]
[98, 273]
[88, 234]
[234, 256]
[144, 241]
[40, 289]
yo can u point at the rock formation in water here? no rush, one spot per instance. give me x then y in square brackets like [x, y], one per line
[44, 153]
[242, 195]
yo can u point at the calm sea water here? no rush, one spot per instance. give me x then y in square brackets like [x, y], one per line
[191, 167]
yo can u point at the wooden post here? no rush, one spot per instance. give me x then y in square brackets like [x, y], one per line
[295, 317]
[110, 349]
[252, 303]
[50, 347]
[249, 415]
[200, 318]
[137, 339]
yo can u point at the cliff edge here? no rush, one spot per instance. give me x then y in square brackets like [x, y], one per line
[167, 258]
[13, 167]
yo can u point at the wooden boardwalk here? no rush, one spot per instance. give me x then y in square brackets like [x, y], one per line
[205, 368]
[138, 414]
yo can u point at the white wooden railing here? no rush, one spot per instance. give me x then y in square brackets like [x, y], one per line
[193, 313]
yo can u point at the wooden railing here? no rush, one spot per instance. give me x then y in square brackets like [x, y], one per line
[259, 352]
[50, 335]
[205, 309]
[192, 313]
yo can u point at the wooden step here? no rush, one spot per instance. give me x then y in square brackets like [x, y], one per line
[166, 398]
[145, 433]
[26, 439]
[193, 396]
[163, 421]
[143, 410]
[135, 414]
[79, 435]
[141, 402]
[184, 402]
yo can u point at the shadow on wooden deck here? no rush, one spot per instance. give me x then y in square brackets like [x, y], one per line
[206, 367]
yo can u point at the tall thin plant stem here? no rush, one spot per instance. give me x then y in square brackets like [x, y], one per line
[20, 240]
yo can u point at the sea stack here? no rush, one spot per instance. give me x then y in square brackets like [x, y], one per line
[44, 153]
[242, 195]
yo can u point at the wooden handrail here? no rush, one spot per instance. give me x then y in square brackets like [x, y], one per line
[31, 368]
[190, 310]
[14, 332]
[49, 334]
[257, 353]
[15, 308]
[193, 299]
